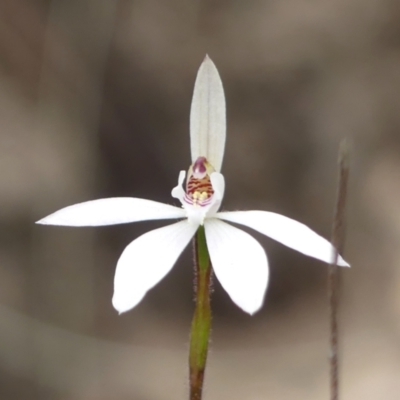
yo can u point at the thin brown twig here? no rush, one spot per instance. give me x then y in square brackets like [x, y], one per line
[338, 234]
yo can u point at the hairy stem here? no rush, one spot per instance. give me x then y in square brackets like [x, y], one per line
[201, 324]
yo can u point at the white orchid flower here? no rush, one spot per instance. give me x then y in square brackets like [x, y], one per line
[238, 260]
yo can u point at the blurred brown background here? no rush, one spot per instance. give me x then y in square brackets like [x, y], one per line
[94, 102]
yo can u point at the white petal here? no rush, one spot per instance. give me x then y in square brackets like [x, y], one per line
[218, 184]
[178, 192]
[239, 262]
[208, 116]
[287, 231]
[118, 210]
[146, 261]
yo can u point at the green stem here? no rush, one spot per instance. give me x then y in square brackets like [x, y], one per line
[201, 324]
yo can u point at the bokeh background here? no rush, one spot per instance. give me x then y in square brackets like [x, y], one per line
[94, 102]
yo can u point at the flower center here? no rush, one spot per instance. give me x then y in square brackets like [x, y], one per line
[204, 191]
[199, 190]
